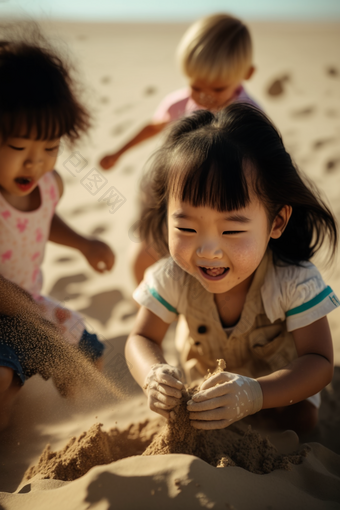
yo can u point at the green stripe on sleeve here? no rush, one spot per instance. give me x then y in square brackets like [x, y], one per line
[313, 302]
[161, 300]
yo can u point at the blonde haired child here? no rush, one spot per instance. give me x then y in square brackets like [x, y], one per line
[215, 54]
[241, 226]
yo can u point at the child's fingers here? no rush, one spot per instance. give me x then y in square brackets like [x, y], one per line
[169, 380]
[167, 390]
[160, 405]
[166, 399]
[162, 412]
[215, 379]
[216, 391]
[210, 425]
[210, 404]
[214, 414]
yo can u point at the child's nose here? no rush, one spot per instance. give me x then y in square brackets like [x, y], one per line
[32, 162]
[209, 250]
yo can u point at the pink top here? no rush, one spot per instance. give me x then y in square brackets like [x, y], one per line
[179, 104]
[23, 237]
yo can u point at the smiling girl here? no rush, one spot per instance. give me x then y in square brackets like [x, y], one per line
[241, 226]
[38, 107]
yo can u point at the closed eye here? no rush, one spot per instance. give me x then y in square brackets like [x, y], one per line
[186, 230]
[233, 232]
[16, 148]
[50, 149]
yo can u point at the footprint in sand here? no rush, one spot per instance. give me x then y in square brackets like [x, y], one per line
[79, 210]
[121, 128]
[102, 305]
[303, 112]
[106, 79]
[122, 109]
[127, 170]
[63, 260]
[100, 229]
[332, 71]
[332, 165]
[60, 291]
[331, 113]
[277, 86]
[319, 144]
[149, 91]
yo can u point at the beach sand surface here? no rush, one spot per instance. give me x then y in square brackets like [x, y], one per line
[126, 70]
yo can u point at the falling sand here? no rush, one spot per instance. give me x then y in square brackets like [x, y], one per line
[41, 349]
[237, 445]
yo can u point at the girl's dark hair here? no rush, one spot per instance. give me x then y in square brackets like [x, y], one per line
[37, 92]
[203, 162]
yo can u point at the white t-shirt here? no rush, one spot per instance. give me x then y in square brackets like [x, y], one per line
[296, 294]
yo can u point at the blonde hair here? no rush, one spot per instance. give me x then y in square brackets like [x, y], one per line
[216, 47]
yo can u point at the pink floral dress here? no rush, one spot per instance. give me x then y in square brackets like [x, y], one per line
[23, 237]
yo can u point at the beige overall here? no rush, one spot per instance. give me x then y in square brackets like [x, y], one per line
[255, 347]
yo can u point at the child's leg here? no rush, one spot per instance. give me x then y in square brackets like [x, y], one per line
[9, 387]
[143, 256]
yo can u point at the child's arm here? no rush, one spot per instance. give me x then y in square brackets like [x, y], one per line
[308, 374]
[145, 133]
[160, 381]
[236, 396]
[98, 254]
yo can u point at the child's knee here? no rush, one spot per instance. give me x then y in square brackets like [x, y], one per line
[6, 378]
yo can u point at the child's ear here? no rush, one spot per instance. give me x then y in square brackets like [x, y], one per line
[280, 222]
[250, 73]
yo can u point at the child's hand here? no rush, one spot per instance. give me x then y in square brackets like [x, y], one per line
[109, 161]
[217, 407]
[99, 255]
[163, 384]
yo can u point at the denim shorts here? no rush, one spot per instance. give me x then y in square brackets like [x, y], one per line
[20, 359]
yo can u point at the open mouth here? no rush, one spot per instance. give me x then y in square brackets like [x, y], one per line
[213, 273]
[24, 183]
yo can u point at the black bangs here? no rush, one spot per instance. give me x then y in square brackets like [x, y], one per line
[209, 172]
[37, 95]
[44, 124]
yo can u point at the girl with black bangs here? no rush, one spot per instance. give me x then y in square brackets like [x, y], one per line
[240, 226]
[38, 106]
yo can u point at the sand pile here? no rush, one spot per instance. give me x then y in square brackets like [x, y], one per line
[93, 448]
[237, 445]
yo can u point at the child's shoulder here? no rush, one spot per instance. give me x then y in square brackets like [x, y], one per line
[161, 289]
[297, 293]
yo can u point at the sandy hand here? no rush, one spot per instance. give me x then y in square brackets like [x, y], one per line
[99, 255]
[164, 387]
[223, 399]
[109, 161]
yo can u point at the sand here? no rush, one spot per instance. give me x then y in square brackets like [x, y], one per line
[127, 70]
[235, 446]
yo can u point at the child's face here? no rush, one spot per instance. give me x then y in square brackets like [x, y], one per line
[23, 161]
[213, 95]
[221, 249]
